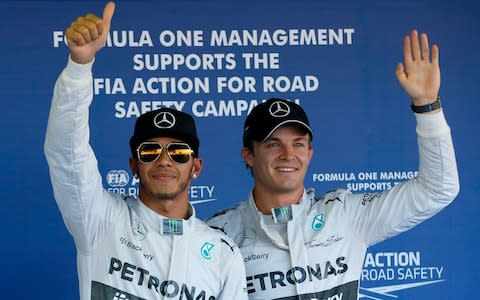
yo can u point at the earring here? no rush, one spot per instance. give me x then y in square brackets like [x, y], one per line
[194, 176]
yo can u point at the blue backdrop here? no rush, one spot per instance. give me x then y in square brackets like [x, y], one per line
[215, 59]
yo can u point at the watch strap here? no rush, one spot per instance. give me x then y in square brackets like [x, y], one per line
[427, 107]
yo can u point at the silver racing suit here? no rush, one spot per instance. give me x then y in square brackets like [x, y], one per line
[320, 252]
[123, 248]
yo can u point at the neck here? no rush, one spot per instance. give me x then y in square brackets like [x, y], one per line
[266, 200]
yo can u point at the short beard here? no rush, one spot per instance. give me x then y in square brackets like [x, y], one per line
[161, 196]
[165, 196]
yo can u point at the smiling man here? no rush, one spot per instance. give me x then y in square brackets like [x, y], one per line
[152, 247]
[297, 245]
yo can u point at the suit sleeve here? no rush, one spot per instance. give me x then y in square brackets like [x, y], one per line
[383, 215]
[75, 178]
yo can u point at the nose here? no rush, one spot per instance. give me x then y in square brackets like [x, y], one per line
[164, 159]
[288, 152]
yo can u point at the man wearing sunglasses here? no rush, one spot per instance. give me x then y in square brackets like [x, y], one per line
[150, 248]
[297, 245]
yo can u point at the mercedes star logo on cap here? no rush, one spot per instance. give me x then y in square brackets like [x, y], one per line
[164, 120]
[279, 109]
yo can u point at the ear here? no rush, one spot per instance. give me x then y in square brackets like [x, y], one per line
[197, 167]
[247, 156]
[133, 165]
[311, 152]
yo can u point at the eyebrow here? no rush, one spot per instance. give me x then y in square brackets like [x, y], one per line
[296, 139]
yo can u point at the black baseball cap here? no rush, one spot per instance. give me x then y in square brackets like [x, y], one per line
[165, 122]
[266, 117]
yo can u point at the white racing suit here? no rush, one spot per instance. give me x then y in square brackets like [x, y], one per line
[327, 239]
[122, 252]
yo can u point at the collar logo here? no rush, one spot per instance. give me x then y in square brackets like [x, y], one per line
[164, 120]
[282, 214]
[172, 226]
[318, 222]
[279, 109]
[206, 249]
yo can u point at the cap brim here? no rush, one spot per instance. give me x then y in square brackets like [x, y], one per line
[294, 122]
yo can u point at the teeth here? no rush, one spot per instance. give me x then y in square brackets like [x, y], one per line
[286, 169]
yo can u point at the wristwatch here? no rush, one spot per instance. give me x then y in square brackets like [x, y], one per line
[427, 107]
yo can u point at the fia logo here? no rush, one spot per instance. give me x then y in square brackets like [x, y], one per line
[206, 250]
[318, 222]
[117, 178]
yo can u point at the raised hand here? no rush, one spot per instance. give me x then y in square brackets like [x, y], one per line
[88, 34]
[419, 75]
